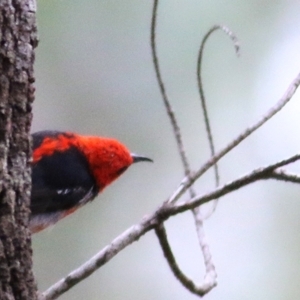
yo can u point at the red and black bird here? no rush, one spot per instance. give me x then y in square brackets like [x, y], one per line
[70, 170]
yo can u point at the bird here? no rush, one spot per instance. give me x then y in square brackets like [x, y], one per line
[70, 170]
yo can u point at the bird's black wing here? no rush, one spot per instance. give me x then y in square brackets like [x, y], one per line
[60, 181]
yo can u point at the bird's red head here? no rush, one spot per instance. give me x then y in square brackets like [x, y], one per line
[108, 158]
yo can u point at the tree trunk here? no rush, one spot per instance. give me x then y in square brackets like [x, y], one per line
[18, 39]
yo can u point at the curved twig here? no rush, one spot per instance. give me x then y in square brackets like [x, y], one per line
[170, 112]
[235, 41]
[201, 290]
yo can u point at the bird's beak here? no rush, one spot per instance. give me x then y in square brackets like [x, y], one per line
[138, 158]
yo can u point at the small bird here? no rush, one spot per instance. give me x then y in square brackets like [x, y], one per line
[69, 170]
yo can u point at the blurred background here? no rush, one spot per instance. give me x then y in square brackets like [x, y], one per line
[94, 75]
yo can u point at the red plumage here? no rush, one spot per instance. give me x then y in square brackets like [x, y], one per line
[70, 170]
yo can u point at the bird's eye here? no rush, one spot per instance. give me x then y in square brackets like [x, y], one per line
[121, 171]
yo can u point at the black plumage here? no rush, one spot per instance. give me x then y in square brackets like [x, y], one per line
[60, 181]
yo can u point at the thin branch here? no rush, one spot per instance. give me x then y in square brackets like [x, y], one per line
[176, 129]
[170, 112]
[210, 277]
[201, 89]
[165, 211]
[235, 41]
[210, 272]
[186, 183]
[285, 176]
[201, 290]
[255, 175]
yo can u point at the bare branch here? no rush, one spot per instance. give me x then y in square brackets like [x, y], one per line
[185, 184]
[165, 211]
[203, 101]
[176, 129]
[210, 277]
[255, 175]
[285, 176]
[170, 112]
[201, 290]
[201, 89]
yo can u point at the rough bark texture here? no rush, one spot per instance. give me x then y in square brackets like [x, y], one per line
[18, 40]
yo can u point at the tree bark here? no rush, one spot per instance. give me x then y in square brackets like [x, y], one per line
[18, 39]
